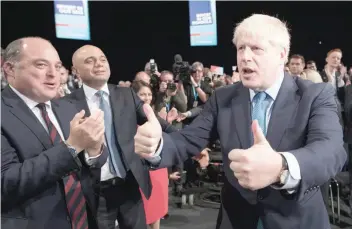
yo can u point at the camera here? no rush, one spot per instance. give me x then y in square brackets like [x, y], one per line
[182, 71]
[207, 80]
[154, 79]
[171, 86]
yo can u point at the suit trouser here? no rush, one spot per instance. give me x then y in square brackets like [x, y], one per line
[121, 200]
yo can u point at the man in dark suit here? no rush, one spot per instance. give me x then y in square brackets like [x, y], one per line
[45, 175]
[125, 172]
[274, 166]
[348, 133]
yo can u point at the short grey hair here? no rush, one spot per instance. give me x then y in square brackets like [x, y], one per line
[196, 65]
[13, 51]
[270, 28]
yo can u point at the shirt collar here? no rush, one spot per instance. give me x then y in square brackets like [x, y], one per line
[29, 102]
[90, 92]
[273, 90]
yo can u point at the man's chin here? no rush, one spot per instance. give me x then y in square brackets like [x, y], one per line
[251, 84]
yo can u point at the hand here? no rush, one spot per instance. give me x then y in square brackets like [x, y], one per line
[163, 87]
[162, 113]
[258, 166]
[179, 86]
[86, 133]
[235, 77]
[203, 158]
[170, 93]
[172, 115]
[148, 135]
[193, 81]
[175, 176]
[60, 92]
[182, 116]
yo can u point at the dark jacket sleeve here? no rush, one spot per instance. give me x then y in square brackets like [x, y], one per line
[22, 180]
[348, 103]
[195, 111]
[178, 102]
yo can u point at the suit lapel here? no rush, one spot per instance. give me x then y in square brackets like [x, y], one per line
[20, 110]
[241, 116]
[62, 118]
[79, 98]
[284, 108]
[117, 105]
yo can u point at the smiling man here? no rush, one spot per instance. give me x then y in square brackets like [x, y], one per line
[280, 136]
[124, 174]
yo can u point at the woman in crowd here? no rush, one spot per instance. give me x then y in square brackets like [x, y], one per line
[157, 205]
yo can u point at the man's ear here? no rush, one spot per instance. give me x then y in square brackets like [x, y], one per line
[9, 69]
[75, 70]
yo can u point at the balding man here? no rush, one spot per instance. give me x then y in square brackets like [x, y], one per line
[142, 76]
[46, 178]
[124, 173]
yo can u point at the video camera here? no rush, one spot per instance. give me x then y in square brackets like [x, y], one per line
[181, 69]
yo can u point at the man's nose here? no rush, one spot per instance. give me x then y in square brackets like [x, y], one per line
[247, 54]
[53, 72]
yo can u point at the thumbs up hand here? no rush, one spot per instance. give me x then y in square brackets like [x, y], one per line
[258, 166]
[148, 135]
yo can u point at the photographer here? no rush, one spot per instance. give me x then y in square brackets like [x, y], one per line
[196, 90]
[169, 96]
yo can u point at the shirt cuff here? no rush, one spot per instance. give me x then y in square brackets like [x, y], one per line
[155, 158]
[294, 177]
[90, 160]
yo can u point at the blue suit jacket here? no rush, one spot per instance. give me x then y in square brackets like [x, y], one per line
[304, 121]
[32, 193]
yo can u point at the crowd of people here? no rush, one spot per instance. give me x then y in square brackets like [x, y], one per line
[78, 152]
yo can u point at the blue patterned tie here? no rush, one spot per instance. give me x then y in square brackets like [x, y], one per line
[115, 162]
[261, 102]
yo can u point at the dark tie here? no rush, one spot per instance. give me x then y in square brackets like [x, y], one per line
[75, 200]
[116, 164]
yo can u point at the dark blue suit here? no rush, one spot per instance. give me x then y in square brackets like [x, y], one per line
[32, 194]
[304, 122]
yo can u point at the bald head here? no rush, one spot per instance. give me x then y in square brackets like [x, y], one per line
[91, 65]
[142, 76]
[15, 49]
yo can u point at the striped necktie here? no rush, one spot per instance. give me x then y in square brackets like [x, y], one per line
[75, 200]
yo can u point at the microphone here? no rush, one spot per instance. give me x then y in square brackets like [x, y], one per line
[178, 58]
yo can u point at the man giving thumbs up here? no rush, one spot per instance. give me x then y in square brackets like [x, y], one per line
[296, 117]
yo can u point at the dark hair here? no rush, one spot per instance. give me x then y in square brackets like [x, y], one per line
[310, 62]
[138, 85]
[297, 56]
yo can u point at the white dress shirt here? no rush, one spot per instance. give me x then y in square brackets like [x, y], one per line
[93, 102]
[293, 166]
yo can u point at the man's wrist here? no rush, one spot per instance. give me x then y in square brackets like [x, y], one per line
[93, 152]
[283, 167]
[69, 144]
